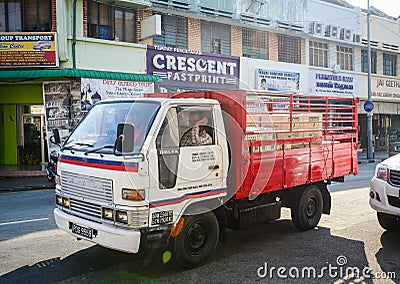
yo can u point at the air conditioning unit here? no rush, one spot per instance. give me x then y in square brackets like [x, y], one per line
[346, 34]
[317, 28]
[332, 31]
[357, 38]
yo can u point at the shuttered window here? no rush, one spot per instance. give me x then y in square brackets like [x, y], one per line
[215, 38]
[389, 64]
[344, 57]
[174, 32]
[318, 54]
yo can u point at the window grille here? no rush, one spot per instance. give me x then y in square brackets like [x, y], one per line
[289, 49]
[255, 44]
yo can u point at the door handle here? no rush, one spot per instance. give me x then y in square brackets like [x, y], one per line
[215, 167]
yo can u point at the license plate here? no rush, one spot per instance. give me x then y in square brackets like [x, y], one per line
[82, 231]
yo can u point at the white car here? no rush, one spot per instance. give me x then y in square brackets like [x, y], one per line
[42, 44]
[385, 193]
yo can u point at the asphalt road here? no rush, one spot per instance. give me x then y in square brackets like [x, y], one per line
[33, 250]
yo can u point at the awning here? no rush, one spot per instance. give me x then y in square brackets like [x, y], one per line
[55, 74]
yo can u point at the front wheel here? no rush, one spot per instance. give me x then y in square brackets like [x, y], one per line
[389, 222]
[307, 211]
[197, 240]
[50, 176]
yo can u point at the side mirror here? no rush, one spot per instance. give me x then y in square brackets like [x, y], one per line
[125, 138]
[56, 137]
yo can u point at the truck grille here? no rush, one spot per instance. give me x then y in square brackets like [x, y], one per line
[394, 178]
[85, 208]
[87, 189]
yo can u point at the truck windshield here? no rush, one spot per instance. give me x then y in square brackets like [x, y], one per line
[98, 129]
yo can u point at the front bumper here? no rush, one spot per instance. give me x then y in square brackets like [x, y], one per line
[107, 236]
[384, 190]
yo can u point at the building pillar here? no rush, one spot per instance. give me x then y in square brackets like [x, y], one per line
[141, 15]
[236, 41]
[194, 34]
[273, 46]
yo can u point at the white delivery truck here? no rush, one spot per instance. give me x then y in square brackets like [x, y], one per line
[127, 177]
[385, 193]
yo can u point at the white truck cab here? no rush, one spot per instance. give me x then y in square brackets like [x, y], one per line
[385, 193]
[119, 192]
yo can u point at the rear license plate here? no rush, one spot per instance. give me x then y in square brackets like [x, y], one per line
[82, 231]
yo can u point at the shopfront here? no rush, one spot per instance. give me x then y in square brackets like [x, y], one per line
[385, 95]
[26, 102]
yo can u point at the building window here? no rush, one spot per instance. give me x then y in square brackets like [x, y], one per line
[215, 38]
[318, 54]
[255, 44]
[25, 15]
[174, 32]
[125, 24]
[389, 64]
[289, 49]
[107, 21]
[344, 57]
[364, 61]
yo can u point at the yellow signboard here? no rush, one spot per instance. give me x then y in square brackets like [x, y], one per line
[28, 50]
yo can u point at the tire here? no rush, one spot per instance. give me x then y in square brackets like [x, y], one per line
[197, 240]
[389, 222]
[50, 177]
[307, 211]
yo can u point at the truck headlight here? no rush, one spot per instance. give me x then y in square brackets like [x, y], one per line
[382, 172]
[108, 214]
[59, 200]
[122, 217]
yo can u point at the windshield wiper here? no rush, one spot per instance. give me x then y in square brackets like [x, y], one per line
[76, 144]
[99, 148]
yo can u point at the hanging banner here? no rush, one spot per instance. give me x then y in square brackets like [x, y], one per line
[280, 81]
[95, 90]
[328, 83]
[28, 50]
[66, 102]
[186, 70]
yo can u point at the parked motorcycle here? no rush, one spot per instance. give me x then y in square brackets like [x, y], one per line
[51, 168]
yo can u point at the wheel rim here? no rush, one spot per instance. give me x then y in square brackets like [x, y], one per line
[311, 207]
[196, 239]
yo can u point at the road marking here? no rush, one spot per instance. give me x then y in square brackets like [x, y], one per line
[24, 221]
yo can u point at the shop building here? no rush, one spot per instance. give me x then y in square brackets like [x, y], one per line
[50, 41]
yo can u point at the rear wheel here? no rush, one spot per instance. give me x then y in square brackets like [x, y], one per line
[307, 211]
[389, 222]
[197, 240]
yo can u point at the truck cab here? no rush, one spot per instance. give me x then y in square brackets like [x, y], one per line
[120, 197]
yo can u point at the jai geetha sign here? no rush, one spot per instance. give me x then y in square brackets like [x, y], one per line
[28, 50]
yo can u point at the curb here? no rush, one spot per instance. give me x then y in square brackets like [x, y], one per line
[24, 188]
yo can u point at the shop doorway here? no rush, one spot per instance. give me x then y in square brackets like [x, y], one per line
[32, 148]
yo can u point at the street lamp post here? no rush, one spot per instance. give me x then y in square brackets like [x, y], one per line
[370, 146]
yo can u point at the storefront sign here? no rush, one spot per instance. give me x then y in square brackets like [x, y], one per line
[385, 88]
[192, 70]
[332, 84]
[282, 81]
[28, 50]
[95, 90]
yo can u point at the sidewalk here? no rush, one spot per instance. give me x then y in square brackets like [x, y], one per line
[9, 184]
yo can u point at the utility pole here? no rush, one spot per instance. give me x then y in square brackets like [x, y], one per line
[370, 146]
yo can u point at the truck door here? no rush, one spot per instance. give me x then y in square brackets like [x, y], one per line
[185, 172]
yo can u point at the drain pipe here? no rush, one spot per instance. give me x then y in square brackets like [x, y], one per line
[74, 35]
